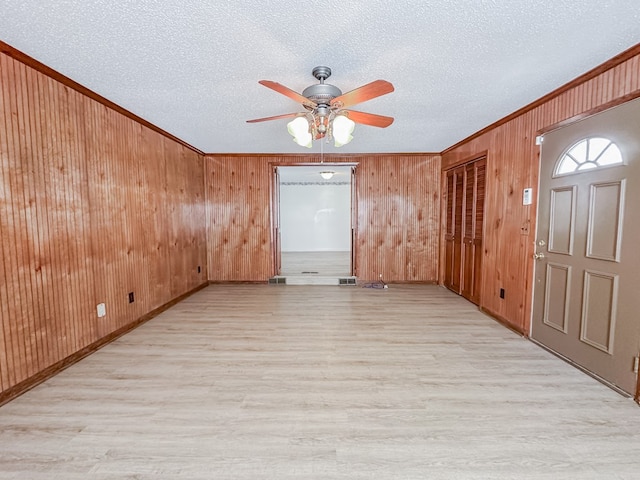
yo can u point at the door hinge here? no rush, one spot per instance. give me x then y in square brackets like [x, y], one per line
[636, 364]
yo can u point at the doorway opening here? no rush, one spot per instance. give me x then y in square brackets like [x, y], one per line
[313, 206]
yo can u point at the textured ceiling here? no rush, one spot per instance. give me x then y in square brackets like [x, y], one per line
[192, 67]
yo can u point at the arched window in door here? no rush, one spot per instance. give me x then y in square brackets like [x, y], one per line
[587, 154]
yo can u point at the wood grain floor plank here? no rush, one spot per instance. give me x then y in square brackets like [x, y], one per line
[284, 382]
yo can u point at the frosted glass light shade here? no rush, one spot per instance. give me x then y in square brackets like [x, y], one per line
[299, 129]
[342, 130]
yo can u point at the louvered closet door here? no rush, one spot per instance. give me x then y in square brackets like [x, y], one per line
[474, 186]
[453, 235]
[465, 194]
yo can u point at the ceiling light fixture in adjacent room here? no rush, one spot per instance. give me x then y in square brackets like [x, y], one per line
[327, 175]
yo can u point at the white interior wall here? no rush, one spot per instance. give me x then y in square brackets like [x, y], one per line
[315, 217]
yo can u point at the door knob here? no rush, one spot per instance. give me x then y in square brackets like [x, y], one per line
[538, 256]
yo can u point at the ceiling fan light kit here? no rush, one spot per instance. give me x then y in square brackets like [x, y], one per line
[327, 116]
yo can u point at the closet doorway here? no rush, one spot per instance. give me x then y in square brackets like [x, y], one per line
[464, 221]
[313, 231]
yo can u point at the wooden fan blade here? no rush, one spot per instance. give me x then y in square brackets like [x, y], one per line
[362, 94]
[277, 117]
[369, 118]
[288, 92]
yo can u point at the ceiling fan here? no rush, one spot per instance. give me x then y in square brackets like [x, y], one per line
[327, 114]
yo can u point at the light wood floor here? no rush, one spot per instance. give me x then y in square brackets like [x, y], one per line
[318, 263]
[297, 382]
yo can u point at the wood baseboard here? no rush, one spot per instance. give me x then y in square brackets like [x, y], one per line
[505, 322]
[38, 378]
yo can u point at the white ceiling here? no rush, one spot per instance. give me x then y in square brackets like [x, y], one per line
[192, 67]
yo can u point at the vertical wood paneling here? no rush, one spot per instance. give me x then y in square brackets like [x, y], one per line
[90, 201]
[238, 203]
[43, 255]
[9, 354]
[398, 215]
[423, 219]
[154, 216]
[42, 206]
[381, 219]
[512, 165]
[187, 244]
[108, 215]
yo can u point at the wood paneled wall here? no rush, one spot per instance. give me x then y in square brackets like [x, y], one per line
[513, 164]
[93, 205]
[398, 215]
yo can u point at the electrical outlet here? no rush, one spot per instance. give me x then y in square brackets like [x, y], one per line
[199, 269]
[131, 300]
[101, 310]
[502, 293]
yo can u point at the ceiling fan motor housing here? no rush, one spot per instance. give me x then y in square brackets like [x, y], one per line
[322, 93]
